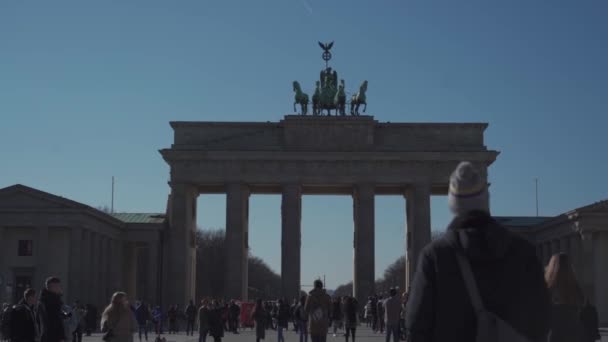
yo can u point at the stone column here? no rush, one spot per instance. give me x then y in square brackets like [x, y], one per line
[418, 235]
[555, 248]
[87, 272]
[75, 285]
[130, 269]
[564, 245]
[576, 256]
[588, 257]
[95, 269]
[106, 282]
[291, 240]
[3, 274]
[118, 266]
[237, 245]
[364, 243]
[42, 256]
[179, 275]
[152, 281]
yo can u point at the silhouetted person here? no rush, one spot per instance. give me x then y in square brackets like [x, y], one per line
[190, 318]
[476, 249]
[318, 307]
[567, 323]
[51, 311]
[26, 323]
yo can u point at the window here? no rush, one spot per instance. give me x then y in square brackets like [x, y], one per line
[25, 248]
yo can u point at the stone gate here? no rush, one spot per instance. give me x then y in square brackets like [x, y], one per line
[354, 155]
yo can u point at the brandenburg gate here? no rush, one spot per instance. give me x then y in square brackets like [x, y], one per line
[309, 154]
[300, 155]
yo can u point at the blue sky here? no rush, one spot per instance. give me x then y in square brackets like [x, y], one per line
[87, 89]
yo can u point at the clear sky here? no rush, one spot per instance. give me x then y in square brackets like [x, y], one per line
[87, 89]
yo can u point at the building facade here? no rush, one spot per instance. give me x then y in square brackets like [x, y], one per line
[582, 234]
[94, 253]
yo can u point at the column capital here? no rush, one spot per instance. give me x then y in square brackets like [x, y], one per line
[364, 189]
[422, 187]
[291, 187]
[183, 188]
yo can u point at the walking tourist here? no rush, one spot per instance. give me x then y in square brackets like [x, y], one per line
[117, 320]
[158, 317]
[90, 318]
[351, 311]
[367, 313]
[203, 321]
[79, 312]
[234, 313]
[318, 307]
[190, 318]
[292, 314]
[216, 324]
[392, 315]
[567, 320]
[51, 305]
[374, 311]
[476, 265]
[259, 316]
[302, 318]
[70, 322]
[336, 314]
[142, 315]
[172, 317]
[380, 314]
[282, 319]
[402, 329]
[25, 321]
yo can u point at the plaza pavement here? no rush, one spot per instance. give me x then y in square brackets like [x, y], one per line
[363, 335]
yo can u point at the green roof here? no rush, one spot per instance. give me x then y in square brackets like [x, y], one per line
[140, 217]
[521, 221]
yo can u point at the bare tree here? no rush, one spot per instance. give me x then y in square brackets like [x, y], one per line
[210, 269]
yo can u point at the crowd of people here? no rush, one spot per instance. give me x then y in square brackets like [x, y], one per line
[478, 282]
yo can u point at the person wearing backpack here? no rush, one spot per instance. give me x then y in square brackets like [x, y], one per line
[478, 282]
[572, 317]
[318, 308]
[26, 323]
[302, 319]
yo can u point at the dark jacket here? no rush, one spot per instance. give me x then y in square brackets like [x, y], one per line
[203, 319]
[142, 314]
[318, 308]
[216, 324]
[25, 323]
[191, 312]
[508, 275]
[283, 316]
[50, 306]
[336, 310]
[566, 325]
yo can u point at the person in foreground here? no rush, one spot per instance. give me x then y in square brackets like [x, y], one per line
[117, 320]
[318, 308]
[26, 322]
[50, 307]
[508, 276]
[569, 319]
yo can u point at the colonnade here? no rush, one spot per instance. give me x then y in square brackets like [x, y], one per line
[183, 202]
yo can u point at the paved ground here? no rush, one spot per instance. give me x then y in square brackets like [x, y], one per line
[363, 335]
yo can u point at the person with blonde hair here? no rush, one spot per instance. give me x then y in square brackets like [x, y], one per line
[568, 319]
[117, 321]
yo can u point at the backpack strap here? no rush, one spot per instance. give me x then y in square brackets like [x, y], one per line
[469, 281]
